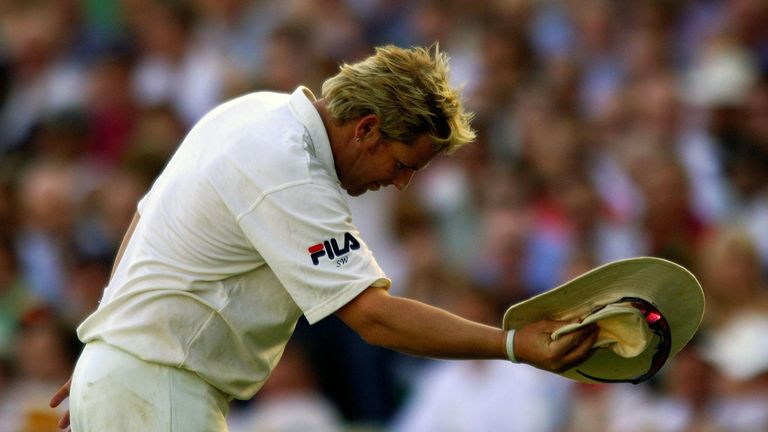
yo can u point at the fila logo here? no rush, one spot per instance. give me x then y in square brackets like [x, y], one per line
[331, 249]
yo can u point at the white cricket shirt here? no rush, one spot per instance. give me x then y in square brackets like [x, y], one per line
[246, 229]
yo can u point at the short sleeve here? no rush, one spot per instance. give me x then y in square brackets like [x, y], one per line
[306, 236]
[142, 203]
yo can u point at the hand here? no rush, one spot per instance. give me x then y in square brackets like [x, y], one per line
[61, 394]
[534, 346]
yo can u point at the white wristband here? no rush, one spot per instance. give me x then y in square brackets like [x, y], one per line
[511, 346]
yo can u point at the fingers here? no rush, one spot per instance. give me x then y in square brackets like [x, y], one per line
[580, 352]
[568, 342]
[64, 421]
[61, 394]
[572, 348]
[548, 326]
[536, 347]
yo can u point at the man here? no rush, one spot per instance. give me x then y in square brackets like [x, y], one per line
[247, 229]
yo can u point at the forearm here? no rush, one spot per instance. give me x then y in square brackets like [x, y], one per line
[416, 328]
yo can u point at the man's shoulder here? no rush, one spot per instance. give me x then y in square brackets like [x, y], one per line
[254, 122]
[250, 106]
[254, 142]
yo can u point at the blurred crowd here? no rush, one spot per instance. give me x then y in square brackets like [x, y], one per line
[606, 129]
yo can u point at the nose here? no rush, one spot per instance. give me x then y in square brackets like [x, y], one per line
[403, 178]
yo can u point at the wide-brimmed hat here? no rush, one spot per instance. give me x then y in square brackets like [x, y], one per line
[647, 310]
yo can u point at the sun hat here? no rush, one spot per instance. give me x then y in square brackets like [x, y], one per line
[647, 309]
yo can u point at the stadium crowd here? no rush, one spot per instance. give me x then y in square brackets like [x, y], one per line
[606, 130]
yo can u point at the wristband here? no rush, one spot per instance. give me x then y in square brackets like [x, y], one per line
[511, 346]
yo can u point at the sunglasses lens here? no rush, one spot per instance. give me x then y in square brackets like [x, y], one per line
[652, 317]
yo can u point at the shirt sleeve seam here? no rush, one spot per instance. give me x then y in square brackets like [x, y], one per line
[265, 194]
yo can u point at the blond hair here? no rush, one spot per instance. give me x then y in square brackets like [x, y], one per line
[408, 90]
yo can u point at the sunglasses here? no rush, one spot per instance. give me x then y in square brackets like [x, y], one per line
[660, 327]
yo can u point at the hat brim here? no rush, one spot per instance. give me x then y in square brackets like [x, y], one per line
[673, 289]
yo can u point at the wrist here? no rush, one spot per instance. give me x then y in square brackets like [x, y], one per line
[510, 346]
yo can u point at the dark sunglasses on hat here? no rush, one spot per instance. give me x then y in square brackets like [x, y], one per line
[659, 326]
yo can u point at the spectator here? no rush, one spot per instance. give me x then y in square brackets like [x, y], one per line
[44, 356]
[289, 401]
[48, 204]
[15, 298]
[739, 350]
[731, 277]
[43, 80]
[171, 67]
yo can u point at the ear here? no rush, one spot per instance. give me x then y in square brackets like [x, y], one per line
[367, 130]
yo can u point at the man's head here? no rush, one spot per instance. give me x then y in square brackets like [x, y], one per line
[409, 92]
[400, 112]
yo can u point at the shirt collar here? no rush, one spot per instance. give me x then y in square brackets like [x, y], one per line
[306, 113]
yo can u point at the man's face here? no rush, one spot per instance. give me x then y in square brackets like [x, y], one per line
[380, 163]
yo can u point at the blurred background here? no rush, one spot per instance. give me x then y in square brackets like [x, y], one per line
[607, 129]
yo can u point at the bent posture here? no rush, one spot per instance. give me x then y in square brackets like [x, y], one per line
[236, 239]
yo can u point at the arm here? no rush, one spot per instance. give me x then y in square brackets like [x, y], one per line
[124, 243]
[63, 392]
[416, 328]
[419, 329]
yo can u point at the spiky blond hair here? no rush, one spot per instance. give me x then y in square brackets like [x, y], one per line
[408, 90]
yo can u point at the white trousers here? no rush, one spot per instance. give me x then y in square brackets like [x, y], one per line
[116, 391]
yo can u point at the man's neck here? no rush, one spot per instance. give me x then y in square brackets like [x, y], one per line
[338, 135]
